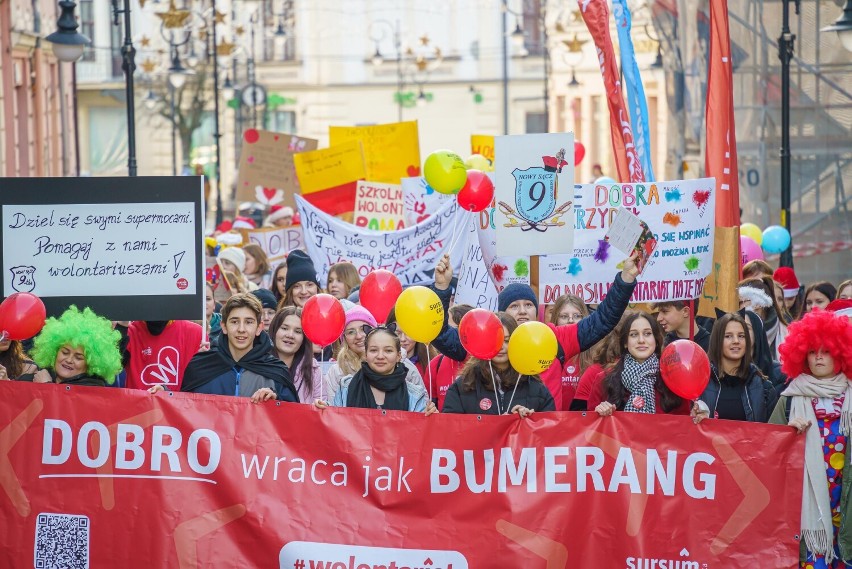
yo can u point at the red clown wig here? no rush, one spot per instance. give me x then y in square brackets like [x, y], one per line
[817, 330]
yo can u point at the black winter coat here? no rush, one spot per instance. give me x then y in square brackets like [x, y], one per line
[531, 393]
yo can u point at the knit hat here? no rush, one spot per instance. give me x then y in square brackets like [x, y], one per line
[300, 267]
[358, 312]
[787, 277]
[841, 307]
[513, 292]
[277, 212]
[242, 222]
[235, 255]
[266, 298]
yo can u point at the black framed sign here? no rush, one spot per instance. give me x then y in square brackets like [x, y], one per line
[128, 248]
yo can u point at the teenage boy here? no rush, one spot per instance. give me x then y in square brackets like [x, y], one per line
[674, 317]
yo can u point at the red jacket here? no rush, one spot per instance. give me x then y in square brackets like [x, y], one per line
[552, 377]
[570, 380]
[444, 372]
[162, 359]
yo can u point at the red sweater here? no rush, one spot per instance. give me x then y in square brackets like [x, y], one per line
[444, 372]
[570, 380]
[161, 360]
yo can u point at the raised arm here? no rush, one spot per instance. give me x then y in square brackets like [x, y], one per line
[447, 342]
[596, 326]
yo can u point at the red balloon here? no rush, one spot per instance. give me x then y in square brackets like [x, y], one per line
[685, 368]
[323, 319]
[579, 152]
[378, 293]
[477, 193]
[481, 333]
[22, 316]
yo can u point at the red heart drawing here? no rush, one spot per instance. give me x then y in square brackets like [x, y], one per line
[413, 171]
[275, 137]
[245, 183]
[269, 193]
[250, 159]
[422, 218]
[165, 370]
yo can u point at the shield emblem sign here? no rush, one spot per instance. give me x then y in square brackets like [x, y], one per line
[535, 193]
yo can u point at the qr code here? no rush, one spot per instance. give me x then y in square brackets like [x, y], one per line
[62, 541]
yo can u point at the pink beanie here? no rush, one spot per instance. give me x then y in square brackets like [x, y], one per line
[358, 312]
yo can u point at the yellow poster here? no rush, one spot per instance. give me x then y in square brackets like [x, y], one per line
[330, 167]
[391, 151]
[482, 144]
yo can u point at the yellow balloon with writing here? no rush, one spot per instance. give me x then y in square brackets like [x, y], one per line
[445, 172]
[532, 348]
[753, 231]
[420, 314]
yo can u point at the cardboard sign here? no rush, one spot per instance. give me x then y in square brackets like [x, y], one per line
[267, 173]
[379, 206]
[276, 242]
[482, 144]
[330, 167]
[128, 248]
[534, 180]
[392, 151]
[720, 288]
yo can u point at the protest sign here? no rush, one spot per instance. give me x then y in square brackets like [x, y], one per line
[534, 194]
[679, 213]
[276, 242]
[379, 206]
[420, 200]
[104, 242]
[305, 488]
[482, 144]
[329, 176]
[720, 288]
[392, 151]
[267, 173]
[410, 253]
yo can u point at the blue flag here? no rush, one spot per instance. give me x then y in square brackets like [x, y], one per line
[636, 103]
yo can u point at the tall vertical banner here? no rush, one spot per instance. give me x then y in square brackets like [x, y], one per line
[534, 194]
[721, 162]
[636, 102]
[100, 477]
[596, 15]
[392, 151]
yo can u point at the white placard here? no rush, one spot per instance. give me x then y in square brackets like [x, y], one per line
[100, 249]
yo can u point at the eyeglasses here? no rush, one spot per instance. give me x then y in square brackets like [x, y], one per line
[571, 318]
[354, 333]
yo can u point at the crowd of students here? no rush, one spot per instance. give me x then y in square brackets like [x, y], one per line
[783, 357]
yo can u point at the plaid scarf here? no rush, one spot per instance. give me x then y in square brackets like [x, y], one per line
[639, 379]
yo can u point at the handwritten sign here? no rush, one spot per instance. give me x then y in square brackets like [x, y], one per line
[680, 214]
[420, 200]
[482, 144]
[330, 167]
[267, 173]
[534, 181]
[102, 251]
[410, 253]
[379, 206]
[276, 242]
[392, 151]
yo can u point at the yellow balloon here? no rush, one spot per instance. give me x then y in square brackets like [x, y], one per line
[420, 314]
[753, 231]
[478, 162]
[532, 348]
[445, 172]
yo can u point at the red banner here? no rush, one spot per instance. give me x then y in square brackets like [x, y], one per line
[596, 15]
[121, 478]
[721, 151]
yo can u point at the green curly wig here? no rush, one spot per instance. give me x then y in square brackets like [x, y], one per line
[85, 330]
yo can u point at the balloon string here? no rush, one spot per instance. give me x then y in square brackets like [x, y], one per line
[512, 398]
[322, 373]
[429, 366]
[456, 235]
[494, 383]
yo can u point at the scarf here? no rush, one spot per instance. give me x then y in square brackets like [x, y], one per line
[817, 527]
[396, 393]
[639, 379]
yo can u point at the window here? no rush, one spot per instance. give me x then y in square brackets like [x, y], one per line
[533, 41]
[87, 27]
[115, 50]
[536, 123]
[281, 121]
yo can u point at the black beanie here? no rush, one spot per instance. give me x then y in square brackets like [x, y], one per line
[300, 267]
[513, 292]
[266, 298]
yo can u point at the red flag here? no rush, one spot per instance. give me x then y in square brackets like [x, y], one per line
[596, 15]
[721, 152]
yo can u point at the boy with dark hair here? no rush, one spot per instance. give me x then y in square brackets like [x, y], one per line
[674, 317]
[239, 362]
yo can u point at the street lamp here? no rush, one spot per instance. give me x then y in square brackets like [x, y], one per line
[128, 54]
[178, 74]
[843, 26]
[68, 45]
[785, 53]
